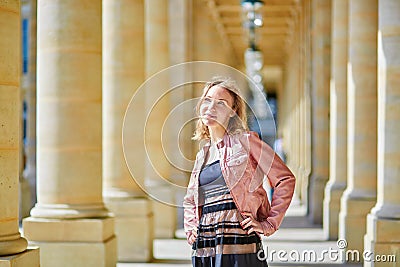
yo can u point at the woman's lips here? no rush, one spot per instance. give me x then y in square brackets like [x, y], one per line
[209, 117]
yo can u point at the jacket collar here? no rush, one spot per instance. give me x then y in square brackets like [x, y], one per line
[220, 144]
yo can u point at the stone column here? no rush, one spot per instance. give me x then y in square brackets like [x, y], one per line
[30, 146]
[360, 194]
[338, 120]
[383, 222]
[69, 222]
[29, 84]
[307, 83]
[300, 94]
[157, 166]
[205, 36]
[13, 247]
[288, 114]
[301, 99]
[296, 95]
[123, 73]
[321, 57]
[25, 204]
[181, 99]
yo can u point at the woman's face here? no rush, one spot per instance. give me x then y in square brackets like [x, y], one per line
[216, 107]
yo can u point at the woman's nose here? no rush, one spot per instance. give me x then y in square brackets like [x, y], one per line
[211, 105]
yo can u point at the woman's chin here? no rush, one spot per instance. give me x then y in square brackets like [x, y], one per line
[210, 122]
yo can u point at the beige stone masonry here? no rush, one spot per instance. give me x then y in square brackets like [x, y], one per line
[70, 211]
[157, 107]
[321, 65]
[74, 230]
[360, 194]
[123, 73]
[383, 222]
[30, 97]
[12, 246]
[28, 258]
[88, 254]
[134, 223]
[74, 242]
[338, 120]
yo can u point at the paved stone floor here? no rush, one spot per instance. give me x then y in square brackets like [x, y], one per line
[297, 243]
[288, 247]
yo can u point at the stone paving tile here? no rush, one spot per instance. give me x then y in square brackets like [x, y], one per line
[296, 252]
[152, 264]
[305, 242]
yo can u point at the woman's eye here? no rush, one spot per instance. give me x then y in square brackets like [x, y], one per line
[221, 103]
[207, 100]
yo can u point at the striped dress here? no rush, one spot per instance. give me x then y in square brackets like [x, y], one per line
[221, 240]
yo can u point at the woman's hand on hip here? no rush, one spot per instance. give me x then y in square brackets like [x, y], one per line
[192, 236]
[251, 224]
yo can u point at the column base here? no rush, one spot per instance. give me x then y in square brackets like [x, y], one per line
[133, 227]
[69, 211]
[28, 258]
[333, 193]
[316, 193]
[164, 220]
[13, 244]
[91, 254]
[304, 177]
[352, 220]
[164, 213]
[383, 240]
[75, 242]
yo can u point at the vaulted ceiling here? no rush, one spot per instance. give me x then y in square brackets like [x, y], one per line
[271, 37]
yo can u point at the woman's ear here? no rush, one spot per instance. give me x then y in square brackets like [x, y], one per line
[233, 113]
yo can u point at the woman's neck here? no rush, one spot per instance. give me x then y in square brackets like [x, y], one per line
[216, 133]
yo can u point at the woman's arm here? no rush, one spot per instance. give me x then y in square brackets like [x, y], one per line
[281, 178]
[190, 221]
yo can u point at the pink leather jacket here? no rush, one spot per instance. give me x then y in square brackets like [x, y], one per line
[244, 160]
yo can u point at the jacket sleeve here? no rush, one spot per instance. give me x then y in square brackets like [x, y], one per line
[190, 220]
[281, 178]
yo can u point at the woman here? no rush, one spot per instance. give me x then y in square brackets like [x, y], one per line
[226, 208]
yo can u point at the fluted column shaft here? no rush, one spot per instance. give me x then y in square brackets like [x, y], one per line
[338, 120]
[360, 194]
[321, 54]
[383, 222]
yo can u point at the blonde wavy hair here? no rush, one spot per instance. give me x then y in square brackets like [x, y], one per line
[237, 123]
